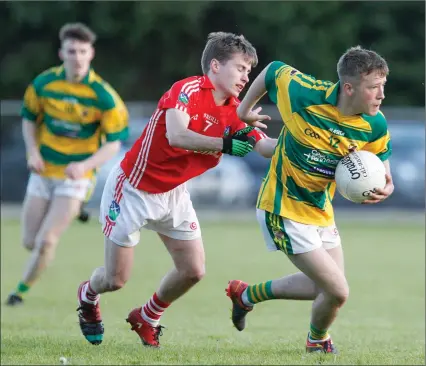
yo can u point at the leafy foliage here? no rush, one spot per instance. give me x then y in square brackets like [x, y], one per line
[145, 46]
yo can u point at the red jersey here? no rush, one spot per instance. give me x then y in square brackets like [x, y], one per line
[152, 165]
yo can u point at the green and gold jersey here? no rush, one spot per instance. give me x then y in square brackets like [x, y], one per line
[299, 184]
[73, 118]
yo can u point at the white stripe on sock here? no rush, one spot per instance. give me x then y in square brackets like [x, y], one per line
[84, 297]
[151, 321]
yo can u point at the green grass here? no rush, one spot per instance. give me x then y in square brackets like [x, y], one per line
[382, 323]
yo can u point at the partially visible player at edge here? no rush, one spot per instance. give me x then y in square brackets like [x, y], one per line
[65, 112]
[322, 123]
[194, 124]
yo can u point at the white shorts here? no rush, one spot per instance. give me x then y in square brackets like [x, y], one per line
[293, 237]
[49, 187]
[125, 210]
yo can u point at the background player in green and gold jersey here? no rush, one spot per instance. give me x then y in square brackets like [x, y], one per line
[322, 123]
[67, 111]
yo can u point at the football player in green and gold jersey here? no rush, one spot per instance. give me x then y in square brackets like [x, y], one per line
[67, 111]
[323, 121]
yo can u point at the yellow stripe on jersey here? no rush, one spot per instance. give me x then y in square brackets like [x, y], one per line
[72, 117]
[300, 182]
[75, 89]
[75, 113]
[296, 204]
[32, 105]
[330, 112]
[382, 144]
[307, 85]
[79, 146]
[284, 107]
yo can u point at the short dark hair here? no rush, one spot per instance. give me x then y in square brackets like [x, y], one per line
[222, 46]
[77, 31]
[357, 61]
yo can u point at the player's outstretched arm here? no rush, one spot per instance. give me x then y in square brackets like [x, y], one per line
[180, 136]
[256, 91]
[266, 147]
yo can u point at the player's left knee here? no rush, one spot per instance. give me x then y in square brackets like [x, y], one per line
[115, 283]
[45, 250]
[195, 274]
[29, 240]
[46, 244]
[341, 296]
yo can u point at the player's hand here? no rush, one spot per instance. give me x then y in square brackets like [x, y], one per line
[352, 149]
[242, 134]
[239, 144]
[381, 194]
[253, 118]
[75, 170]
[35, 162]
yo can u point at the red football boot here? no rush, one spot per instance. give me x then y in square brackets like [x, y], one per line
[320, 347]
[148, 334]
[239, 311]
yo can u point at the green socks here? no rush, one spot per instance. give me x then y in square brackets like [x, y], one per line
[316, 334]
[260, 292]
[21, 288]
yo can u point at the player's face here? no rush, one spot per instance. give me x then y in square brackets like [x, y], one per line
[77, 56]
[233, 75]
[369, 93]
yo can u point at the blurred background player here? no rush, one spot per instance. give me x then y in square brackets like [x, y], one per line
[66, 110]
[194, 124]
[84, 215]
[322, 123]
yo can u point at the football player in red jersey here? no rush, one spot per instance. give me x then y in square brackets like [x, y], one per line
[194, 124]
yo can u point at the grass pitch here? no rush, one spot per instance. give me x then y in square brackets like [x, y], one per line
[382, 323]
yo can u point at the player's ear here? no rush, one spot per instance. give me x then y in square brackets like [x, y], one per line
[348, 89]
[61, 54]
[214, 66]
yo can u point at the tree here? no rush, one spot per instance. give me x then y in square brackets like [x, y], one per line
[144, 46]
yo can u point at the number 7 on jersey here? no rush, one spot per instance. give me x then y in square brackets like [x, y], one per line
[208, 123]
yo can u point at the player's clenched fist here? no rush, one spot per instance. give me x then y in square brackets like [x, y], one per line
[239, 144]
[35, 162]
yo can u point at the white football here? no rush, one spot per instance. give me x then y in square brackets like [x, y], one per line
[358, 174]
